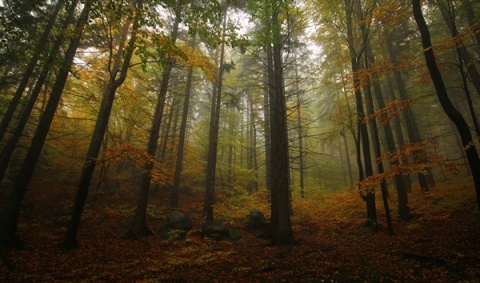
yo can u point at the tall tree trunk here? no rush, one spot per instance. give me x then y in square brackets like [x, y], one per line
[174, 198]
[299, 132]
[32, 98]
[139, 228]
[402, 196]
[447, 8]
[410, 120]
[101, 124]
[269, 91]
[253, 147]
[397, 128]
[377, 149]
[281, 226]
[448, 12]
[472, 21]
[213, 132]
[9, 215]
[347, 157]
[7, 117]
[448, 107]
[368, 196]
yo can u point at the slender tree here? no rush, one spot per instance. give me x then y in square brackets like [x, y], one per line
[368, 196]
[447, 9]
[117, 75]
[32, 98]
[181, 139]
[139, 228]
[448, 107]
[7, 117]
[9, 216]
[214, 128]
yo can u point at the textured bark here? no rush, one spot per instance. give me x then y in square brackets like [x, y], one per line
[281, 226]
[269, 93]
[9, 216]
[447, 105]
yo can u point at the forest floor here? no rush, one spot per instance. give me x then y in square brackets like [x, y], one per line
[440, 243]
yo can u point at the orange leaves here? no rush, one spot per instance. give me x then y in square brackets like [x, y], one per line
[161, 173]
[424, 160]
[390, 111]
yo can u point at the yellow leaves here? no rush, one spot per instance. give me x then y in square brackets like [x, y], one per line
[186, 55]
[194, 58]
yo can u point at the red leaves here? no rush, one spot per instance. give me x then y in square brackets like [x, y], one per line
[440, 244]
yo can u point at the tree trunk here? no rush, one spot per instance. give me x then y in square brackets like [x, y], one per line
[213, 132]
[7, 117]
[299, 132]
[181, 139]
[281, 226]
[347, 157]
[101, 124]
[402, 196]
[9, 216]
[448, 12]
[139, 228]
[472, 21]
[410, 120]
[368, 196]
[32, 98]
[269, 92]
[376, 147]
[448, 107]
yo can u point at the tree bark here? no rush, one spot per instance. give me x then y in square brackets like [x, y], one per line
[281, 226]
[213, 131]
[368, 196]
[402, 196]
[448, 107]
[139, 228]
[101, 124]
[7, 152]
[174, 199]
[448, 13]
[9, 216]
[410, 121]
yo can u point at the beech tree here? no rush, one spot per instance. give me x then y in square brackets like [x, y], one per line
[448, 107]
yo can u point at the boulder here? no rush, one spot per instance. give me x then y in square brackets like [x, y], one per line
[258, 225]
[214, 230]
[177, 226]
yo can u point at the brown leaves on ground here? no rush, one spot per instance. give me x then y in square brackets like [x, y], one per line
[440, 244]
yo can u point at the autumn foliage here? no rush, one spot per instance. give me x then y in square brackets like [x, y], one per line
[440, 244]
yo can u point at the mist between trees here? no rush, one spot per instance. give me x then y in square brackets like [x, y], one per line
[284, 100]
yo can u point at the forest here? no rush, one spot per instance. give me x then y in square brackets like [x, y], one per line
[239, 141]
